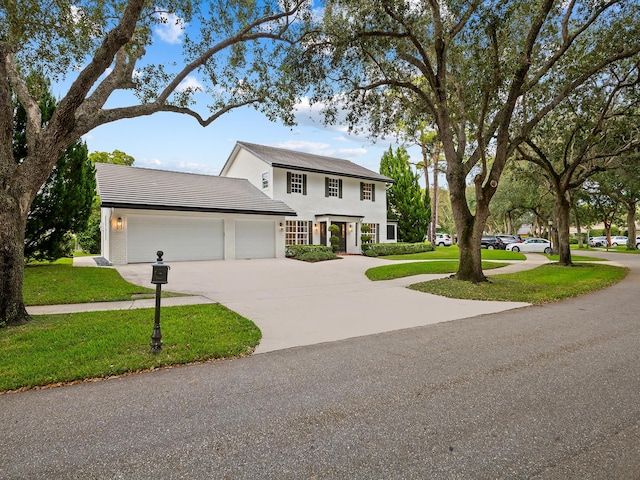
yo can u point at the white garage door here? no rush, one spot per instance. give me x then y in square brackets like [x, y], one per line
[255, 239]
[179, 237]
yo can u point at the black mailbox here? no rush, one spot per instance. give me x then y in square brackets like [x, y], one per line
[160, 271]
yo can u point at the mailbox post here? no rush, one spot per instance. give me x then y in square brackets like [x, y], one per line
[159, 275]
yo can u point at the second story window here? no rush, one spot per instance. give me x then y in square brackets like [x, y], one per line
[332, 187]
[265, 180]
[368, 191]
[296, 183]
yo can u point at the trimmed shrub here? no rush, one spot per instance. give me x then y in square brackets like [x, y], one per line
[382, 249]
[310, 253]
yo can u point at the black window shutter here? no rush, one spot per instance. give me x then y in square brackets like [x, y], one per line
[310, 232]
[288, 182]
[361, 190]
[304, 184]
[373, 192]
[340, 188]
[377, 231]
[326, 186]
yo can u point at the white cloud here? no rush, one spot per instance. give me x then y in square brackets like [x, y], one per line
[177, 166]
[325, 149]
[190, 83]
[172, 28]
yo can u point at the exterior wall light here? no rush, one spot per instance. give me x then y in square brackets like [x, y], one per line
[281, 226]
[119, 223]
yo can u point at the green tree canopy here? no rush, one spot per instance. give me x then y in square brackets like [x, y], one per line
[484, 72]
[118, 157]
[235, 53]
[406, 201]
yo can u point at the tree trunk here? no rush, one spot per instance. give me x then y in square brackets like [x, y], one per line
[561, 246]
[12, 227]
[434, 206]
[469, 228]
[631, 226]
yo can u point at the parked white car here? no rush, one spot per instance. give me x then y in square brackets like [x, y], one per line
[618, 240]
[443, 240]
[531, 245]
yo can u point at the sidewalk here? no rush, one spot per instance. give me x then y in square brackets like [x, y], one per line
[126, 305]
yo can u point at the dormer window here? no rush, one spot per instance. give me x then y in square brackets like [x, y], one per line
[265, 180]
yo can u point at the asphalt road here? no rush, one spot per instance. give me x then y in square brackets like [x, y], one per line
[550, 392]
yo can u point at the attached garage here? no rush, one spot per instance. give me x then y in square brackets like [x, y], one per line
[179, 237]
[188, 216]
[255, 239]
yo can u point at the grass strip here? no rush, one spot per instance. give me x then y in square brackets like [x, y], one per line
[389, 272]
[61, 283]
[577, 258]
[453, 253]
[54, 349]
[547, 283]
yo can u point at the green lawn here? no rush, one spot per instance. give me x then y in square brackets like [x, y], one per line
[54, 349]
[389, 272]
[65, 348]
[452, 253]
[541, 285]
[61, 283]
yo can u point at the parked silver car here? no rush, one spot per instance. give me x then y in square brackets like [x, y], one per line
[598, 241]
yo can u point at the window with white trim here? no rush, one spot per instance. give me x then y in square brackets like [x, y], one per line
[297, 232]
[296, 182]
[333, 187]
[367, 191]
[265, 180]
[373, 232]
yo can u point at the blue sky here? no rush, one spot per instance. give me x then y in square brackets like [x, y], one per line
[177, 142]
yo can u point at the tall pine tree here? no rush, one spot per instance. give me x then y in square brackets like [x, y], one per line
[63, 203]
[406, 201]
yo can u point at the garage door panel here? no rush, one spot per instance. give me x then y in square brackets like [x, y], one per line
[179, 237]
[255, 239]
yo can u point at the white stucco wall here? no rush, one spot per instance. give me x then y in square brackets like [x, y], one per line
[246, 165]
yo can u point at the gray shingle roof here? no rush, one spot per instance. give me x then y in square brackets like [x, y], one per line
[143, 188]
[279, 157]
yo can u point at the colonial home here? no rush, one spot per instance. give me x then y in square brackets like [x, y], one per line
[264, 199]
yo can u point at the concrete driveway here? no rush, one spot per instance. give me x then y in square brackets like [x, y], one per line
[297, 303]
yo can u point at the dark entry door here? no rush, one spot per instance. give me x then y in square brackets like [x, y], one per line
[342, 235]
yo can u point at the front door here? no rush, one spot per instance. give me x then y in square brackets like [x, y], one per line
[342, 235]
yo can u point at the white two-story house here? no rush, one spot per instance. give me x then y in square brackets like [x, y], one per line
[323, 191]
[264, 199]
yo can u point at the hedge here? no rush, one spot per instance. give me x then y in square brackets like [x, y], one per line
[382, 249]
[310, 253]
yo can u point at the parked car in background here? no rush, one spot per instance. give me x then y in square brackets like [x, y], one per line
[638, 242]
[619, 240]
[531, 245]
[492, 242]
[598, 241]
[443, 240]
[507, 239]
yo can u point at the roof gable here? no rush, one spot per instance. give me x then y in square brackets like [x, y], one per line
[307, 162]
[133, 187]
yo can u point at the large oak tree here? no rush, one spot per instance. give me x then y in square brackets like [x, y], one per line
[235, 51]
[594, 129]
[486, 72]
